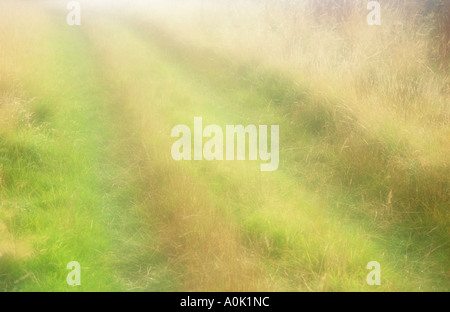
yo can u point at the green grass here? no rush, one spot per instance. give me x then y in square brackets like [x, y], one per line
[87, 175]
[61, 190]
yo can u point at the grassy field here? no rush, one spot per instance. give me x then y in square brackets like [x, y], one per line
[86, 172]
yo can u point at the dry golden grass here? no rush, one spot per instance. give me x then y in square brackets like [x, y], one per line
[11, 247]
[387, 86]
[204, 246]
[20, 23]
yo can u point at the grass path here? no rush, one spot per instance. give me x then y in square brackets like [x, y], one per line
[92, 179]
[299, 246]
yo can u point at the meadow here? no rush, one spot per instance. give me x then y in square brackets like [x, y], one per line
[87, 175]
